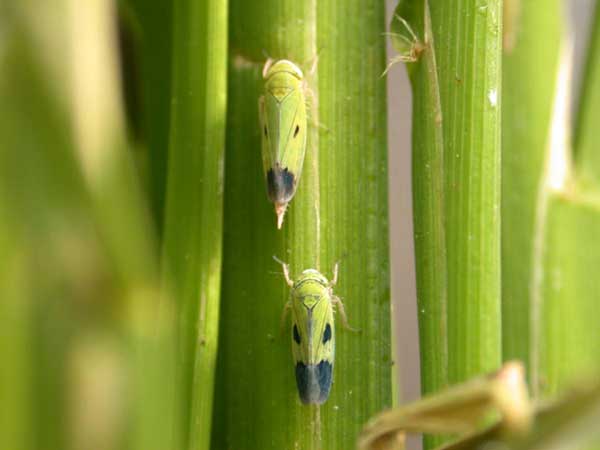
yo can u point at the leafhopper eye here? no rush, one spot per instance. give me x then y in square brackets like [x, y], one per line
[296, 335]
[296, 130]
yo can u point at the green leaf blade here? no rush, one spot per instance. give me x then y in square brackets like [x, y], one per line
[194, 209]
[531, 55]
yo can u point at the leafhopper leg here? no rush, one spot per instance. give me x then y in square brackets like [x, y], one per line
[344, 319]
[286, 271]
[284, 314]
[313, 65]
[311, 105]
[334, 280]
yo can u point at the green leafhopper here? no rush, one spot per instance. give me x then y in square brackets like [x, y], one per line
[282, 111]
[313, 335]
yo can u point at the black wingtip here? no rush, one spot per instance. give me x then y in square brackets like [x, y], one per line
[314, 382]
[281, 185]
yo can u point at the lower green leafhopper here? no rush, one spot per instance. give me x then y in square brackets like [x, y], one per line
[313, 334]
[282, 111]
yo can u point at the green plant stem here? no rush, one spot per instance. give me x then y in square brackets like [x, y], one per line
[67, 275]
[587, 157]
[568, 291]
[532, 35]
[101, 145]
[26, 286]
[15, 341]
[456, 155]
[428, 197]
[453, 59]
[467, 36]
[354, 208]
[193, 212]
[154, 47]
[122, 217]
[338, 214]
[257, 403]
[255, 381]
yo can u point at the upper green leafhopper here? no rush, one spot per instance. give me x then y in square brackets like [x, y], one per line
[313, 333]
[282, 111]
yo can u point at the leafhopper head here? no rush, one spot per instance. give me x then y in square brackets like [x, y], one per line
[282, 65]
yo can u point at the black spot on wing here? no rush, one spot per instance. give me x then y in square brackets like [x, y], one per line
[265, 131]
[303, 382]
[296, 335]
[327, 334]
[314, 381]
[325, 371]
[280, 185]
[297, 130]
